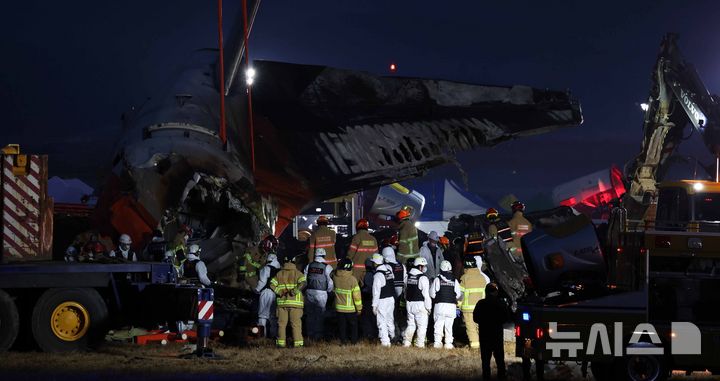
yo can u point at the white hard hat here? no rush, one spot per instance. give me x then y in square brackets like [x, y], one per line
[125, 239]
[320, 253]
[194, 249]
[388, 254]
[445, 266]
[433, 236]
[420, 261]
[377, 259]
[271, 258]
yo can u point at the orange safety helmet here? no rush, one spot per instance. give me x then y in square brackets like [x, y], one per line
[492, 213]
[402, 214]
[444, 241]
[362, 224]
[323, 220]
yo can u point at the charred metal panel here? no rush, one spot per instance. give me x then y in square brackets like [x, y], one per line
[353, 130]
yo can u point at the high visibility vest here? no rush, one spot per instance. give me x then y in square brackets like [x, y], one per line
[413, 292]
[251, 262]
[472, 284]
[408, 245]
[388, 290]
[446, 294]
[519, 226]
[287, 280]
[323, 238]
[398, 273]
[347, 293]
[363, 246]
[316, 279]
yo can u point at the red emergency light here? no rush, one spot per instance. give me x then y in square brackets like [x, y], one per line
[393, 68]
[594, 191]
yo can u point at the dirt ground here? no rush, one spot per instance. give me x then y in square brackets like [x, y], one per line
[262, 361]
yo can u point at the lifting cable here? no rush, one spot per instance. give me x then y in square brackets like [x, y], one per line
[223, 136]
[249, 86]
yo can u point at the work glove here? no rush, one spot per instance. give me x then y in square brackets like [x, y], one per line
[358, 312]
[458, 313]
[291, 293]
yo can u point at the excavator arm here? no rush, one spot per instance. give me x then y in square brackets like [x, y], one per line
[678, 98]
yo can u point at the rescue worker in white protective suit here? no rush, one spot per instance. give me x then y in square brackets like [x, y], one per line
[123, 250]
[383, 302]
[194, 268]
[400, 276]
[445, 291]
[419, 304]
[267, 317]
[319, 285]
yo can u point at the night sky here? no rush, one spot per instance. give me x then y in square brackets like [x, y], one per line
[69, 69]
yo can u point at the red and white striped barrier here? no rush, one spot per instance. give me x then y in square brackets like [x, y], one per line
[205, 310]
[24, 208]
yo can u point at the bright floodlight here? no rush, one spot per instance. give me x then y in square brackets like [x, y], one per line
[318, 210]
[250, 76]
[644, 106]
[698, 186]
[417, 224]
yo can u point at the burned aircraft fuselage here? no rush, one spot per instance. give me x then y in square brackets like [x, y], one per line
[319, 132]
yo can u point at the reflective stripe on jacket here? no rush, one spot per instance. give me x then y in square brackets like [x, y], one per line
[362, 247]
[472, 284]
[347, 292]
[288, 285]
[408, 244]
[322, 238]
[251, 262]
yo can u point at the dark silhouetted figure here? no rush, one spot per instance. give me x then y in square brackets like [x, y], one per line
[490, 314]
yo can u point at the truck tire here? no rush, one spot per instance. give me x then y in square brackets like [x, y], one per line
[9, 321]
[69, 319]
[644, 368]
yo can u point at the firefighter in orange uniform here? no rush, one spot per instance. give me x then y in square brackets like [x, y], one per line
[323, 238]
[472, 285]
[408, 245]
[519, 226]
[289, 284]
[362, 247]
[253, 260]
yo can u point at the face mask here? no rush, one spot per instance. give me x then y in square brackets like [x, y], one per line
[124, 247]
[187, 237]
[423, 269]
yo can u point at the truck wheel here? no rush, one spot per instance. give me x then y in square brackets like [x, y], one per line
[68, 319]
[644, 368]
[9, 321]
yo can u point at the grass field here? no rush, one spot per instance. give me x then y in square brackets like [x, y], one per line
[262, 361]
